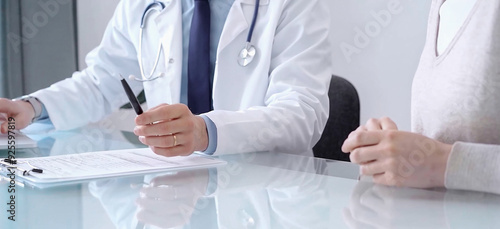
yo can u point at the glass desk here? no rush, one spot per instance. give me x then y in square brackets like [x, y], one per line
[255, 190]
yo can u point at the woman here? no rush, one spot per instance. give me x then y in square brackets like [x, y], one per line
[455, 108]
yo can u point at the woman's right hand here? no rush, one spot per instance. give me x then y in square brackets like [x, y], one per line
[21, 111]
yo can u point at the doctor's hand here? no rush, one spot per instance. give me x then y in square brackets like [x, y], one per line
[21, 111]
[397, 158]
[172, 130]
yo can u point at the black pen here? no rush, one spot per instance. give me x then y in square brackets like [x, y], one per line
[131, 97]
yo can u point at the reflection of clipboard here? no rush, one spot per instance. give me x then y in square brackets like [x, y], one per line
[105, 164]
[21, 141]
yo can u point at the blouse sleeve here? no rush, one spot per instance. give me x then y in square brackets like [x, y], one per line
[474, 167]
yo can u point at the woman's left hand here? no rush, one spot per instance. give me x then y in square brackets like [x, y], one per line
[397, 158]
[172, 130]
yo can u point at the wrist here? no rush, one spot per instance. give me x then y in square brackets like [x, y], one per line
[27, 109]
[202, 134]
[444, 151]
[33, 108]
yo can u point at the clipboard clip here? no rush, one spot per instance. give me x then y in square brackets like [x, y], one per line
[26, 172]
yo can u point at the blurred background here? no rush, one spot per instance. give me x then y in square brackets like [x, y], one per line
[376, 46]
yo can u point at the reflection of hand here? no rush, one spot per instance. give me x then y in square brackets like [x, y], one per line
[169, 201]
[172, 130]
[397, 158]
[376, 206]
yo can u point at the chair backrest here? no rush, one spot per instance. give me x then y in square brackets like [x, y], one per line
[343, 119]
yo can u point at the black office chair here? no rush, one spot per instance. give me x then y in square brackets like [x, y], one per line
[344, 118]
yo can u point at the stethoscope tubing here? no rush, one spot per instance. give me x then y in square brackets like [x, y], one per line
[254, 21]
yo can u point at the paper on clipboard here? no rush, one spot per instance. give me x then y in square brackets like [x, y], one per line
[107, 164]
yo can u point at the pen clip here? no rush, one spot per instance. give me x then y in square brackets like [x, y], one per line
[8, 163]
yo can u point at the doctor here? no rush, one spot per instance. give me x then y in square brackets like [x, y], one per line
[220, 76]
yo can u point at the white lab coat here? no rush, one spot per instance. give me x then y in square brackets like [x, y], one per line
[277, 103]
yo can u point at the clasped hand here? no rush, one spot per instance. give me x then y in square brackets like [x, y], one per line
[397, 158]
[172, 130]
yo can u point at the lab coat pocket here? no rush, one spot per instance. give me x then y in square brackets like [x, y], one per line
[159, 91]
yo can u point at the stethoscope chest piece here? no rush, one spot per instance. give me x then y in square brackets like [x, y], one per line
[247, 55]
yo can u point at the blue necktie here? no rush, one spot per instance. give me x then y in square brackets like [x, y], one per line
[199, 88]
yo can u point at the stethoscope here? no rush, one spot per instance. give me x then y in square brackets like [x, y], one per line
[245, 57]
[248, 52]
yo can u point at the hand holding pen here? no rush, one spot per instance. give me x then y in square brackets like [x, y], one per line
[169, 130]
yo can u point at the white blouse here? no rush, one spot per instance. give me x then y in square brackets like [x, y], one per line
[456, 95]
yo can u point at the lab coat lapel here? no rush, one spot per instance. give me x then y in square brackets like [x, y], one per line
[169, 24]
[235, 24]
[167, 21]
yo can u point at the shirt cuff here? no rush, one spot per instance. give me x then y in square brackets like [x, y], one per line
[212, 135]
[44, 116]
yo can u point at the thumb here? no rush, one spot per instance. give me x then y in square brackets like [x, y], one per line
[4, 127]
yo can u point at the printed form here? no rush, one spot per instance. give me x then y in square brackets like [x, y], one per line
[109, 164]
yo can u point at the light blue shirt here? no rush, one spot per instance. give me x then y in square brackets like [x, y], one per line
[219, 11]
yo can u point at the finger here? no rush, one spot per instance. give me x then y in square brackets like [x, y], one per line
[359, 129]
[163, 113]
[173, 151]
[387, 124]
[162, 128]
[374, 167]
[159, 106]
[166, 141]
[361, 138]
[3, 117]
[366, 154]
[373, 124]
[4, 127]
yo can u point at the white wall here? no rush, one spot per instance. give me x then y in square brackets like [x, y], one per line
[382, 71]
[93, 17]
[382, 67]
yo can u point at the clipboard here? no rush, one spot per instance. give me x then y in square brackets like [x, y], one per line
[103, 164]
